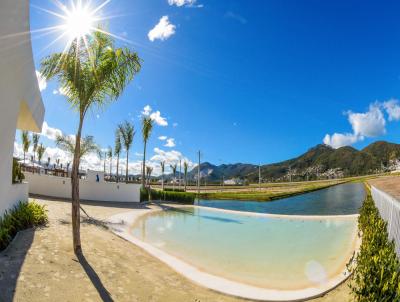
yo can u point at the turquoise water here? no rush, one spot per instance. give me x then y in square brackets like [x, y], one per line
[266, 252]
[337, 200]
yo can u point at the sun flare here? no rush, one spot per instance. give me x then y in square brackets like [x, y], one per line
[79, 21]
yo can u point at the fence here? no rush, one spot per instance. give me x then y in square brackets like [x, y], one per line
[389, 209]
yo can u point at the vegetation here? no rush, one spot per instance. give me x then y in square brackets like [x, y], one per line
[17, 175]
[185, 170]
[173, 168]
[35, 144]
[117, 149]
[110, 157]
[22, 216]
[376, 272]
[162, 164]
[92, 76]
[147, 126]
[127, 132]
[181, 197]
[149, 170]
[25, 142]
[87, 145]
[40, 152]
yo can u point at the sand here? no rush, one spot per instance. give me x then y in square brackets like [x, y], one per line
[40, 265]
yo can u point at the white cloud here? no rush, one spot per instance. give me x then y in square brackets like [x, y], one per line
[60, 91]
[158, 119]
[369, 124]
[162, 31]
[392, 108]
[41, 81]
[170, 143]
[146, 110]
[182, 2]
[338, 140]
[162, 138]
[49, 132]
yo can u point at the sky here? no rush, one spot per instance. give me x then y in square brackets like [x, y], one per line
[242, 81]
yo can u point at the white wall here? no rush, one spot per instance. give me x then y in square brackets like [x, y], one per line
[389, 209]
[60, 187]
[20, 101]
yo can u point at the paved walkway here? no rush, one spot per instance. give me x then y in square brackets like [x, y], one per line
[41, 266]
[388, 184]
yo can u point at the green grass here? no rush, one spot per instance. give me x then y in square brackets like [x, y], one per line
[22, 216]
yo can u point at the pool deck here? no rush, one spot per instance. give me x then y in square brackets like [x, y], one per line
[388, 184]
[121, 225]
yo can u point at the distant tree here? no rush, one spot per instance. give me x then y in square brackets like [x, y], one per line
[110, 157]
[185, 169]
[147, 126]
[173, 167]
[149, 170]
[162, 174]
[35, 143]
[40, 152]
[25, 142]
[117, 148]
[127, 132]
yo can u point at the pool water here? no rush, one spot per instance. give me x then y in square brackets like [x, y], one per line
[258, 250]
[337, 200]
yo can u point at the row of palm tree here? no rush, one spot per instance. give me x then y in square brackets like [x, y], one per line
[38, 150]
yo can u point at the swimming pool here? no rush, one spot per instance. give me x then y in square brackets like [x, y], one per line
[342, 199]
[264, 251]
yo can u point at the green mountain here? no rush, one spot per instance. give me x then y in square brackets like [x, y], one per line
[321, 161]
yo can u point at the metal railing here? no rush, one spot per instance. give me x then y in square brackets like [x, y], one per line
[389, 209]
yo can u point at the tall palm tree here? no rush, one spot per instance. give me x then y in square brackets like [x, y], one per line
[149, 170]
[185, 171]
[35, 143]
[173, 167]
[147, 126]
[40, 152]
[162, 174]
[25, 142]
[127, 132]
[117, 148]
[92, 76]
[110, 156]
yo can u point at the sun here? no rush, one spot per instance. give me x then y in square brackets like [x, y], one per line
[79, 21]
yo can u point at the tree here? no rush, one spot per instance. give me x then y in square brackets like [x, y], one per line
[162, 174]
[127, 132]
[87, 145]
[110, 156]
[185, 171]
[149, 170]
[91, 76]
[117, 148]
[173, 167]
[35, 143]
[40, 152]
[25, 142]
[147, 126]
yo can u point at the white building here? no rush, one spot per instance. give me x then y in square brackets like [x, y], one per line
[21, 105]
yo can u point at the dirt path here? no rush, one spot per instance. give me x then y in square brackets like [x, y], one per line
[41, 266]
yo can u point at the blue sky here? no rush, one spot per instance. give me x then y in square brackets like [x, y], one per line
[246, 81]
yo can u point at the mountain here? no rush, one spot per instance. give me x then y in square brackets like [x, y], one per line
[321, 161]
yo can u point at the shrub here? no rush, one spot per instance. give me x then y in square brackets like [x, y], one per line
[17, 175]
[181, 197]
[22, 216]
[376, 273]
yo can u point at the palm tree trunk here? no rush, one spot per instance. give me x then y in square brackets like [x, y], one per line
[185, 181]
[76, 236]
[33, 164]
[110, 167]
[127, 162]
[144, 165]
[24, 157]
[162, 181]
[117, 165]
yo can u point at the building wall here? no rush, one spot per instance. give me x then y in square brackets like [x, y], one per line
[389, 209]
[60, 187]
[20, 101]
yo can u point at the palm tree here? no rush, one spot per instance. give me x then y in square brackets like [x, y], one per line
[162, 174]
[87, 145]
[147, 126]
[25, 142]
[173, 167]
[35, 142]
[117, 148]
[91, 76]
[127, 132]
[110, 156]
[149, 170]
[185, 170]
[40, 152]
